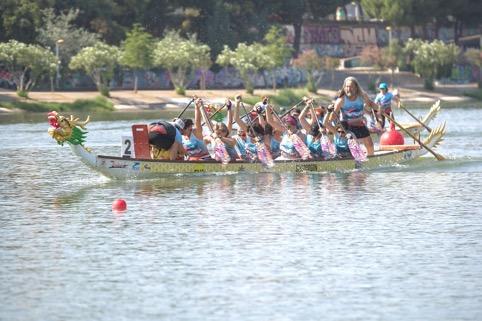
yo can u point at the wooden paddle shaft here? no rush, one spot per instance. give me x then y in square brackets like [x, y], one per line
[182, 112]
[437, 156]
[413, 116]
[212, 116]
[273, 111]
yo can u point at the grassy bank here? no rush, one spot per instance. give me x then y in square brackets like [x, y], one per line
[81, 105]
[476, 94]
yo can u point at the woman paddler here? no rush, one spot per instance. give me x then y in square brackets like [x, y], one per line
[248, 133]
[351, 105]
[192, 136]
[220, 135]
[314, 127]
[293, 142]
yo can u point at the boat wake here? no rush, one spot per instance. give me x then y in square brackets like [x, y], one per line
[429, 164]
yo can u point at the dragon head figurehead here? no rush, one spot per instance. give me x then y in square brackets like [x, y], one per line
[64, 129]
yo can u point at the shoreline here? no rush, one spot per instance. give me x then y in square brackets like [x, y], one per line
[152, 100]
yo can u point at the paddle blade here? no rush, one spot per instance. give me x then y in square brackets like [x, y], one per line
[356, 150]
[264, 155]
[327, 147]
[220, 152]
[300, 147]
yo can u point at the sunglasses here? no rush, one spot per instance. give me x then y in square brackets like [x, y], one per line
[341, 132]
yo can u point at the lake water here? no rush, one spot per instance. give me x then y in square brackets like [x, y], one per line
[403, 243]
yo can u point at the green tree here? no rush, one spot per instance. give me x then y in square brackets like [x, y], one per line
[392, 57]
[137, 51]
[331, 63]
[181, 57]
[225, 22]
[431, 59]
[310, 62]
[247, 59]
[291, 12]
[62, 26]
[474, 56]
[99, 62]
[19, 18]
[26, 63]
[447, 55]
[277, 49]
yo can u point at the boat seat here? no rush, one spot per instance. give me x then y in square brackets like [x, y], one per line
[140, 135]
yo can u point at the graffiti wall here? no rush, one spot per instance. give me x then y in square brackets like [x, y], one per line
[338, 40]
[341, 40]
[224, 78]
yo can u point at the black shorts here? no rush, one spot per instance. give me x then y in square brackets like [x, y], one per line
[358, 131]
[162, 135]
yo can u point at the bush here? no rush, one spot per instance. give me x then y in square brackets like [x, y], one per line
[311, 87]
[104, 91]
[22, 94]
[180, 90]
[428, 84]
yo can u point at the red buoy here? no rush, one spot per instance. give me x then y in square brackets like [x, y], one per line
[392, 137]
[119, 205]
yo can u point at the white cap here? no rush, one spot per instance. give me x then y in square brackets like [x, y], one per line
[179, 123]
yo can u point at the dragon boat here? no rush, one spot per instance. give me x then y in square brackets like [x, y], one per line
[71, 131]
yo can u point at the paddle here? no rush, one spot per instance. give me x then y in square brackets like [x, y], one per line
[378, 125]
[413, 116]
[437, 156]
[277, 115]
[220, 152]
[182, 112]
[263, 153]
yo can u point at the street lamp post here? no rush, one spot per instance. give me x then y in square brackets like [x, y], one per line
[57, 48]
[357, 10]
[389, 29]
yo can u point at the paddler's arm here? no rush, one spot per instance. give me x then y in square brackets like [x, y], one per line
[327, 123]
[238, 119]
[198, 129]
[230, 114]
[227, 140]
[272, 121]
[370, 103]
[336, 111]
[302, 118]
[206, 119]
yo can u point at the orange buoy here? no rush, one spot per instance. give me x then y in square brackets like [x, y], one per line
[392, 136]
[119, 205]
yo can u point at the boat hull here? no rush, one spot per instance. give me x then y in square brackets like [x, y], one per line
[127, 168]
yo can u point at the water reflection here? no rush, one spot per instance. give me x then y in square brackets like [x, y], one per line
[399, 243]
